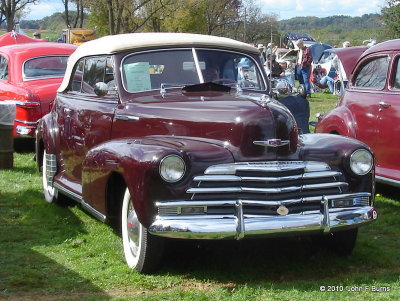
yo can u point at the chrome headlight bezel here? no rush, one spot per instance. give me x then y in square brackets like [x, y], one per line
[361, 162]
[172, 168]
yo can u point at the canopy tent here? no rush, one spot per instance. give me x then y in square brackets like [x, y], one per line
[10, 38]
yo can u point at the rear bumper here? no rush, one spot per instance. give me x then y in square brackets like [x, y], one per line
[228, 227]
[25, 129]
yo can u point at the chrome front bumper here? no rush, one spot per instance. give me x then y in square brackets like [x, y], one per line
[227, 227]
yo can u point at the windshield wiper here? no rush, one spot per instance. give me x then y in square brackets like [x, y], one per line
[165, 86]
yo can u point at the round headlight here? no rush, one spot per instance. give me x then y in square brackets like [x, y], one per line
[172, 168]
[361, 162]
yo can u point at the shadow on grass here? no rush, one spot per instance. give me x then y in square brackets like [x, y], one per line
[288, 262]
[24, 145]
[26, 223]
[388, 191]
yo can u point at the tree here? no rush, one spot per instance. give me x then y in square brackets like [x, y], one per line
[391, 18]
[10, 9]
[79, 16]
[258, 26]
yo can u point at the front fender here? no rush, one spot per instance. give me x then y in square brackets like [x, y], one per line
[137, 161]
[336, 150]
[338, 121]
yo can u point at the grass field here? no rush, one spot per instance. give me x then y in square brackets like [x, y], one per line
[55, 253]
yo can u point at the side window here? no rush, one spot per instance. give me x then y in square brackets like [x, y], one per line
[90, 71]
[77, 78]
[396, 77]
[3, 68]
[93, 73]
[373, 74]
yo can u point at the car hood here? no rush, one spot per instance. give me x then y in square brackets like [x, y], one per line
[252, 127]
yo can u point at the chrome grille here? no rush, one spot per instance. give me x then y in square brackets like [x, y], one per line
[261, 187]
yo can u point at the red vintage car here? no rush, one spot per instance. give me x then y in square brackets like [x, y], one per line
[369, 110]
[169, 135]
[30, 74]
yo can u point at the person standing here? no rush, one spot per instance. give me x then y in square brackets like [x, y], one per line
[303, 66]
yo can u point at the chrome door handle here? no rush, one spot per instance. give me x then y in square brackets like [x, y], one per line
[384, 105]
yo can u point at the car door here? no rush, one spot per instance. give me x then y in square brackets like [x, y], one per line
[388, 143]
[364, 94]
[84, 119]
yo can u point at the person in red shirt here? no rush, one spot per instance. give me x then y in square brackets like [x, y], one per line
[303, 66]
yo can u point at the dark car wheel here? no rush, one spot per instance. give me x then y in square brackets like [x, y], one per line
[143, 251]
[342, 243]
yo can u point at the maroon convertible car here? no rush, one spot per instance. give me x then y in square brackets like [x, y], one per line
[174, 136]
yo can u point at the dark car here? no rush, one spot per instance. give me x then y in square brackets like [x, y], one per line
[369, 110]
[174, 136]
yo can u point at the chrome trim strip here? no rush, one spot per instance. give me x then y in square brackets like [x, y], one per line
[266, 190]
[127, 118]
[387, 181]
[270, 166]
[272, 143]
[76, 197]
[219, 227]
[233, 178]
[324, 185]
[26, 122]
[191, 203]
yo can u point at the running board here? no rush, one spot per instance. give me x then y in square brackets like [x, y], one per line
[76, 197]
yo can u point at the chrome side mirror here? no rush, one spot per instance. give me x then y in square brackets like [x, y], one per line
[101, 89]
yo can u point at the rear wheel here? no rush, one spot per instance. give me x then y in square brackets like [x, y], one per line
[143, 251]
[50, 194]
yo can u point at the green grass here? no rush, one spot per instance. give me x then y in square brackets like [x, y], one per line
[61, 253]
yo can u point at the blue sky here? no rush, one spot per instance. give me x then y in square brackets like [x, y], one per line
[285, 9]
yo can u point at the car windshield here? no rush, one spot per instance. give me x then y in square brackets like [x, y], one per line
[45, 67]
[181, 67]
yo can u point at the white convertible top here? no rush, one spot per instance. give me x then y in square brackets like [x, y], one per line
[118, 43]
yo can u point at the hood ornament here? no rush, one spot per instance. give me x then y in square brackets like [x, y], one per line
[272, 143]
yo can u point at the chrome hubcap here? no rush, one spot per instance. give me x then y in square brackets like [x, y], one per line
[133, 226]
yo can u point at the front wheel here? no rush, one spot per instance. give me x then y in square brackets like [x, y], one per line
[143, 251]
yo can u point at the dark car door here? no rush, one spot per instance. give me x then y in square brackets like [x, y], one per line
[388, 143]
[363, 96]
[84, 119]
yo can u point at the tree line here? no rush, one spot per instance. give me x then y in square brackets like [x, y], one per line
[239, 19]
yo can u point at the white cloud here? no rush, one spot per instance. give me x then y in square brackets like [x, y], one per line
[287, 9]
[43, 9]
